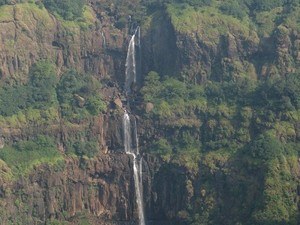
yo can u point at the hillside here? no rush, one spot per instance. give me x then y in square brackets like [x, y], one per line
[215, 104]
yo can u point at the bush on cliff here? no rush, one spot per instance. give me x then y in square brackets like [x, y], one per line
[42, 84]
[79, 95]
[24, 155]
[234, 8]
[68, 9]
[13, 99]
[265, 148]
[38, 93]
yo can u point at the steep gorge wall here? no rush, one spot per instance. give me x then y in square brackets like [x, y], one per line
[199, 45]
[103, 188]
[29, 34]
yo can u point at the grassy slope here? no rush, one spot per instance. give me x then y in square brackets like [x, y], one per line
[33, 20]
[208, 23]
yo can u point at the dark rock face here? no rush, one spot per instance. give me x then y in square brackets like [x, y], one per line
[191, 54]
[159, 50]
[172, 52]
[102, 187]
[45, 37]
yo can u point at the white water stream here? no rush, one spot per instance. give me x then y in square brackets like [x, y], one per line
[130, 71]
[137, 167]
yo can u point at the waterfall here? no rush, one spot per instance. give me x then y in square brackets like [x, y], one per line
[130, 79]
[130, 72]
[141, 159]
[137, 168]
[103, 40]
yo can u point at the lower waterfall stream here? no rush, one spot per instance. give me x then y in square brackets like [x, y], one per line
[137, 167]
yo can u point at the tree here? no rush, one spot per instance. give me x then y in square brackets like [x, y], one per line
[13, 99]
[95, 105]
[234, 8]
[68, 9]
[163, 148]
[152, 86]
[79, 94]
[265, 147]
[264, 5]
[42, 84]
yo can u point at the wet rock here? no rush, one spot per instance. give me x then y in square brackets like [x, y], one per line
[149, 107]
[118, 102]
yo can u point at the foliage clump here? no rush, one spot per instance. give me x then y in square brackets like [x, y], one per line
[79, 95]
[38, 93]
[22, 156]
[68, 9]
[245, 131]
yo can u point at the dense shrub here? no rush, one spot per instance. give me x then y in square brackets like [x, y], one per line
[68, 9]
[234, 8]
[264, 5]
[265, 147]
[152, 86]
[154, 4]
[13, 99]
[196, 2]
[279, 94]
[38, 93]
[79, 94]
[42, 85]
[163, 148]
[86, 148]
[24, 155]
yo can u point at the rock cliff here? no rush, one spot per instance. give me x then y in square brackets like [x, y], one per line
[102, 188]
[196, 46]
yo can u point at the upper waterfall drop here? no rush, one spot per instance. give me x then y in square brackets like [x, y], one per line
[131, 67]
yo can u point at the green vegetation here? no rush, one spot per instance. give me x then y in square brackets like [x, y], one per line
[208, 22]
[265, 148]
[174, 98]
[212, 19]
[56, 222]
[38, 93]
[79, 96]
[43, 80]
[44, 101]
[24, 155]
[162, 148]
[158, 3]
[13, 99]
[264, 5]
[68, 9]
[234, 8]
[247, 124]
[235, 133]
[76, 95]
[6, 13]
[87, 148]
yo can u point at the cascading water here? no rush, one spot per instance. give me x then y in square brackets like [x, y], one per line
[141, 159]
[103, 40]
[131, 62]
[137, 169]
